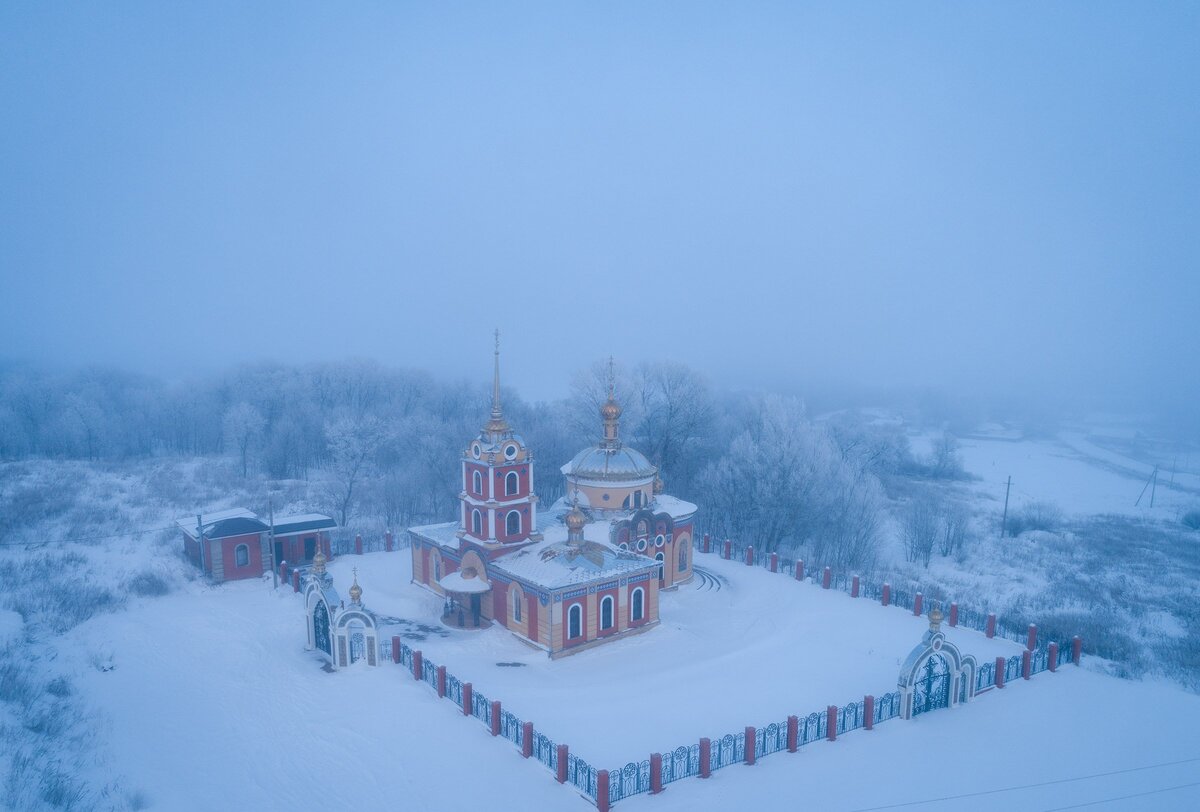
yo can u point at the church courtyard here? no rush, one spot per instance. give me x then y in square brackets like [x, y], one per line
[737, 646]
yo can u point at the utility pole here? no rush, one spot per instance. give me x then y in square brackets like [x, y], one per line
[1153, 487]
[271, 542]
[1153, 478]
[1004, 521]
[200, 542]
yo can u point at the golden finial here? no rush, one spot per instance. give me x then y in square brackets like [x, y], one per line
[497, 423]
[610, 412]
[935, 619]
[355, 589]
[318, 562]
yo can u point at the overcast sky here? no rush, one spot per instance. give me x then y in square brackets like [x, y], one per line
[995, 198]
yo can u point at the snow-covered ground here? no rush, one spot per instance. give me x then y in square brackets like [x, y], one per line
[758, 649]
[211, 702]
[1083, 470]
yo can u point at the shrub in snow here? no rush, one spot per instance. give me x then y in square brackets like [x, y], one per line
[1192, 519]
[148, 584]
[1035, 516]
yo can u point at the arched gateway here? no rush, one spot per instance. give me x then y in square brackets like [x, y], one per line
[935, 675]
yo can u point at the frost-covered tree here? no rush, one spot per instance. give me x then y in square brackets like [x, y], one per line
[920, 529]
[242, 426]
[354, 445]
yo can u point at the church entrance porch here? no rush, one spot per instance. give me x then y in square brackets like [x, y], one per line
[465, 592]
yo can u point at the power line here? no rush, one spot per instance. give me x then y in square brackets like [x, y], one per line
[1034, 786]
[86, 538]
[1125, 797]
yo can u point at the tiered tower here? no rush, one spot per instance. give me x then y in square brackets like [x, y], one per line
[499, 505]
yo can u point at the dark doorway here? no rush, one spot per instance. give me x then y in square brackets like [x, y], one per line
[476, 606]
[279, 553]
[310, 548]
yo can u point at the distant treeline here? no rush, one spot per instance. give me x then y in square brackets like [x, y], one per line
[385, 442]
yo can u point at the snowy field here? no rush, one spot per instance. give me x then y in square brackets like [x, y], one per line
[1085, 470]
[754, 651]
[212, 703]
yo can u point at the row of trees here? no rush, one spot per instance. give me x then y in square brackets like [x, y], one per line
[383, 443]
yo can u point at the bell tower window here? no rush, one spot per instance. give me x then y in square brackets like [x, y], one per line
[476, 483]
[512, 484]
[476, 523]
[512, 523]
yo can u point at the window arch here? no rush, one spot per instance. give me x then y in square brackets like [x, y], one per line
[683, 550]
[637, 609]
[574, 621]
[516, 605]
[512, 523]
[477, 522]
[606, 612]
[477, 483]
[659, 558]
[241, 555]
[643, 529]
[512, 484]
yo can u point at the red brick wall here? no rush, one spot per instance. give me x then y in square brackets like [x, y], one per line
[254, 562]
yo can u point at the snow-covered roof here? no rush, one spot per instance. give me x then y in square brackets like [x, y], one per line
[223, 524]
[678, 508]
[445, 533]
[301, 522]
[619, 464]
[455, 582]
[552, 563]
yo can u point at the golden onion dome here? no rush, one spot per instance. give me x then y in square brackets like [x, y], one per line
[935, 619]
[575, 519]
[611, 410]
[318, 562]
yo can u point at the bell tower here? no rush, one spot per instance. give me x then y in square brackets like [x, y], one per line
[498, 503]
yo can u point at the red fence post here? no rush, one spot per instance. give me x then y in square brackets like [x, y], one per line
[655, 773]
[750, 556]
[602, 789]
[826, 577]
[527, 742]
[800, 570]
[991, 625]
[707, 543]
[831, 723]
[918, 603]
[1000, 664]
[953, 615]
[416, 665]
[705, 758]
[496, 717]
[562, 764]
[396, 649]
[728, 550]
[295, 580]
[1052, 657]
[1025, 663]
[357, 544]
[887, 594]
[854, 587]
[387, 541]
[466, 708]
[1076, 648]
[793, 723]
[869, 712]
[774, 562]
[283, 571]
[750, 746]
[1031, 643]
[441, 681]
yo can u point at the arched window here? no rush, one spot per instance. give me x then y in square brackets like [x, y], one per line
[643, 529]
[659, 558]
[636, 609]
[476, 522]
[512, 484]
[516, 607]
[512, 523]
[574, 621]
[683, 548]
[606, 612]
[637, 499]
[437, 568]
[477, 483]
[241, 555]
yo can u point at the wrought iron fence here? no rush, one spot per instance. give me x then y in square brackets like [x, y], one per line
[429, 672]
[511, 728]
[721, 752]
[544, 750]
[581, 775]
[887, 707]
[1012, 668]
[406, 656]
[985, 676]
[481, 708]
[385, 650]
[813, 727]
[771, 739]
[680, 763]
[454, 688]
[630, 780]
[850, 717]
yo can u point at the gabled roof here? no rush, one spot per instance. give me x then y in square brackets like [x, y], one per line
[302, 523]
[223, 524]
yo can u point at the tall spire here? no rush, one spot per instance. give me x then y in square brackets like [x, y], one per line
[497, 423]
[610, 412]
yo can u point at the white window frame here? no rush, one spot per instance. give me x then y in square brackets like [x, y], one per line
[477, 483]
[637, 605]
[237, 555]
[612, 612]
[508, 516]
[571, 611]
[477, 522]
[516, 606]
[516, 479]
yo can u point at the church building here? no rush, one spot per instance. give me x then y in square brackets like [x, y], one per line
[586, 570]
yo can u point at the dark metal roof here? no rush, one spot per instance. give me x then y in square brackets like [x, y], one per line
[286, 528]
[238, 526]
